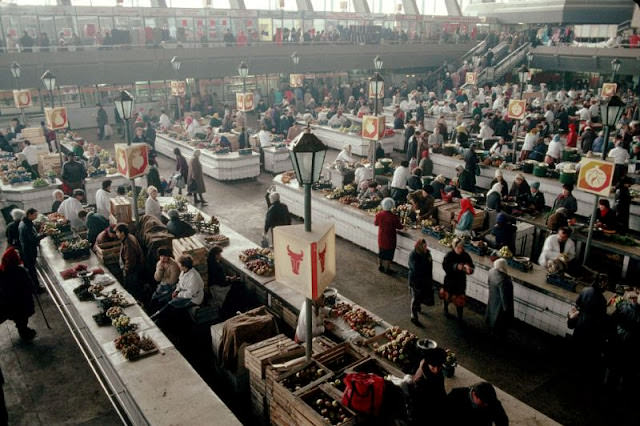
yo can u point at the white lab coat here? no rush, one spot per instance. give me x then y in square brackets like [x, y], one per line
[265, 138]
[530, 140]
[103, 202]
[345, 156]
[498, 149]
[152, 208]
[619, 155]
[551, 249]
[70, 208]
[31, 153]
[191, 286]
[400, 177]
[164, 121]
[555, 150]
[317, 322]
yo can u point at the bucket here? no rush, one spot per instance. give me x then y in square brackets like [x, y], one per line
[425, 344]
[330, 296]
[568, 178]
[527, 167]
[540, 171]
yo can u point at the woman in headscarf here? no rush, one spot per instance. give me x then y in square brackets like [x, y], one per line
[530, 140]
[438, 185]
[520, 190]
[196, 179]
[345, 155]
[494, 197]
[151, 205]
[464, 221]
[497, 177]
[420, 279]
[387, 224]
[457, 264]
[16, 301]
[426, 165]
[499, 312]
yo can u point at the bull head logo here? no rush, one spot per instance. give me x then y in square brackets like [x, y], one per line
[322, 254]
[296, 259]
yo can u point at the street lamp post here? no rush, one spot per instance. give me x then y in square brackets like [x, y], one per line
[377, 81]
[523, 73]
[243, 71]
[307, 156]
[296, 60]
[175, 64]
[529, 58]
[49, 81]
[124, 105]
[611, 112]
[615, 68]
[16, 71]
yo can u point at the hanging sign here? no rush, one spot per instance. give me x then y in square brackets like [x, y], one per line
[305, 261]
[517, 109]
[244, 101]
[471, 78]
[56, 118]
[373, 127]
[372, 89]
[609, 89]
[132, 160]
[22, 98]
[596, 176]
[296, 80]
[178, 88]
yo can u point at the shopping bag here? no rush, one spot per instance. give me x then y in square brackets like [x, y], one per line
[363, 393]
[108, 131]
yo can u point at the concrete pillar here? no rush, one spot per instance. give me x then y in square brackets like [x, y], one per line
[237, 4]
[304, 5]
[361, 6]
[453, 8]
[410, 7]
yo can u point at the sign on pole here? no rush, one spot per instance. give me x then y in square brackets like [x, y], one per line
[609, 89]
[596, 176]
[22, 98]
[296, 80]
[56, 118]
[516, 109]
[305, 261]
[373, 127]
[178, 88]
[244, 101]
[132, 160]
[372, 89]
[471, 78]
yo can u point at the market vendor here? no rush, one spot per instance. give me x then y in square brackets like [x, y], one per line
[415, 180]
[70, 208]
[371, 193]
[427, 393]
[399, 182]
[152, 206]
[73, 174]
[464, 221]
[338, 120]
[466, 180]
[623, 203]
[107, 236]
[215, 120]
[21, 160]
[345, 155]
[95, 223]
[438, 186]
[362, 175]
[319, 314]
[503, 233]
[620, 158]
[166, 274]
[558, 219]
[78, 149]
[188, 292]
[131, 261]
[605, 217]
[494, 197]
[520, 190]
[556, 245]
[554, 151]
[566, 200]
[530, 141]
[474, 405]
[178, 227]
[500, 148]
[422, 203]
[536, 202]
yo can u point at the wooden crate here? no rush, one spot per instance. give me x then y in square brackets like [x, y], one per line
[37, 140]
[321, 344]
[280, 416]
[445, 213]
[341, 357]
[378, 366]
[289, 317]
[280, 394]
[108, 253]
[121, 209]
[48, 162]
[478, 219]
[31, 132]
[303, 413]
[277, 348]
[191, 246]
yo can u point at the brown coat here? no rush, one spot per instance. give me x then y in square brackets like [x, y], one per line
[169, 274]
[131, 254]
[195, 173]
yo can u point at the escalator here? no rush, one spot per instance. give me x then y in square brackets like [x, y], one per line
[504, 65]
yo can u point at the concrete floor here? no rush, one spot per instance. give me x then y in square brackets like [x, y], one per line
[530, 365]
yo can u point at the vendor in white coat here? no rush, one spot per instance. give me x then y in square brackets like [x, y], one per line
[557, 244]
[152, 206]
[345, 155]
[190, 285]
[318, 316]
[103, 199]
[500, 148]
[71, 207]
[554, 151]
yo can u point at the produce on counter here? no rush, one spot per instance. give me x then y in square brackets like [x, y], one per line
[77, 244]
[342, 308]
[260, 267]
[331, 410]
[40, 183]
[360, 321]
[504, 252]
[400, 348]
[114, 312]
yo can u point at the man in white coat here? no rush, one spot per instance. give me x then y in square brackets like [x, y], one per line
[103, 199]
[71, 207]
[556, 245]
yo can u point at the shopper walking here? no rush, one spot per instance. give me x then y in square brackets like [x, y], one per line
[420, 279]
[29, 242]
[499, 312]
[277, 215]
[16, 300]
[387, 223]
[196, 179]
[457, 264]
[183, 170]
[101, 121]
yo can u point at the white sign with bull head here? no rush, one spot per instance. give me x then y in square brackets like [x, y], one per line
[305, 261]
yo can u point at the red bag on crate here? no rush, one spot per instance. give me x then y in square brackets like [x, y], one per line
[363, 392]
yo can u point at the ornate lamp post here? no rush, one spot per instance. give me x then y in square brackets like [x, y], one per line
[16, 72]
[124, 105]
[243, 72]
[176, 64]
[615, 68]
[49, 82]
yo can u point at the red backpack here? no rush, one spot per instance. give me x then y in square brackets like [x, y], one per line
[363, 392]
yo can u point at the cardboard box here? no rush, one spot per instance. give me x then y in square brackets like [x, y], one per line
[48, 162]
[121, 210]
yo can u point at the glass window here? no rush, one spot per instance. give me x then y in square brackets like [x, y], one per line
[47, 32]
[158, 90]
[105, 28]
[122, 33]
[142, 93]
[68, 95]
[65, 26]
[88, 96]
[88, 29]
[184, 30]
[136, 28]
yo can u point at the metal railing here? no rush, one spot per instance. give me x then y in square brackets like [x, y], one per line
[497, 71]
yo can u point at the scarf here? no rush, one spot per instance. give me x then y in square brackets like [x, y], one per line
[497, 187]
[465, 205]
[10, 259]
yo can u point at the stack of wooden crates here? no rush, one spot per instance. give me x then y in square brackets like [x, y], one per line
[260, 359]
[35, 135]
[108, 253]
[445, 214]
[49, 162]
[121, 211]
[195, 248]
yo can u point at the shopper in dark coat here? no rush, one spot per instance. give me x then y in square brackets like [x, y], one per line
[624, 341]
[195, 178]
[181, 167]
[427, 395]
[73, 174]
[499, 312]
[622, 204]
[131, 261]
[420, 278]
[29, 242]
[277, 215]
[13, 232]
[16, 300]
[95, 223]
[178, 227]
[477, 405]
[590, 326]
[457, 264]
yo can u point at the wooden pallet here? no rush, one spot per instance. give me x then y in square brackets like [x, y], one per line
[445, 213]
[32, 132]
[191, 246]
[478, 219]
[121, 210]
[321, 344]
[286, 398]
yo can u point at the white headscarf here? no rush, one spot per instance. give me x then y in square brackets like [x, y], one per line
[387, 204]
[497, 187]
[500, 265]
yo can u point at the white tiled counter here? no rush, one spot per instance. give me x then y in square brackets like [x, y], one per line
[277, 160]
[91, 185]
[537, 303]
[335, 139]
[397, 138]
[224, 167]
[26, 196]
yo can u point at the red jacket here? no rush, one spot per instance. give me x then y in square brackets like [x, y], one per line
[572, 137]
[387, 224]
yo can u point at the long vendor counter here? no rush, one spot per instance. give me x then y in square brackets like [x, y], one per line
[285, 303]
[446, 166]
[26, 196]
[537, 303]
[397, 137]
[92, 184]
[276, 160]
[224, 167]
[336, 139]
[161, 389]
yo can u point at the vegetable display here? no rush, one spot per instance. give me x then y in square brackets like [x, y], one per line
[360, 321]
[303, 377]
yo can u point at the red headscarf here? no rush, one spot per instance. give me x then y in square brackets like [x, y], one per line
[10, 259]
[425, 154]
[465, 205]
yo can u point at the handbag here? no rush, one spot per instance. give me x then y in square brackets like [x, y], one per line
[363, 393]
[572, 318]
[193, 186]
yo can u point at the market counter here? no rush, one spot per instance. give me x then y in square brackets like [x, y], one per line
[446, 166]
[26, 196]
[224, 167]
[336, 139]
[92, 184]
[537, 303]
[162, 389]
[276, 160]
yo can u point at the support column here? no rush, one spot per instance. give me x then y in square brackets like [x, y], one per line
[237, 4]
[453, 8]
[304, 5]
[410, 7]
[361, 6]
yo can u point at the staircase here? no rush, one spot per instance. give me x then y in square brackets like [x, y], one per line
[504, 66]
[478, 49]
